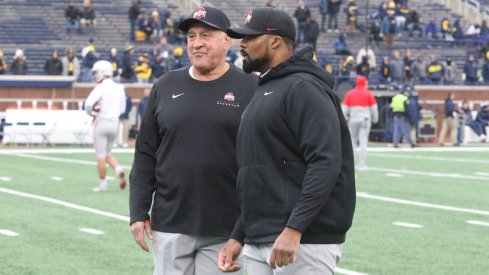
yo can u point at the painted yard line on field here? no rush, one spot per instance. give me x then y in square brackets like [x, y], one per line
[56, 178]
[5, 179]
[406, 224]
[92, 231]
[431, 174]
[65, 204]
[60, 151]
[347, 272]
[106, 214]
[394, 175]
[430, 158]
[8, 233]
[422, 204]
[76, 161]
[479, 223]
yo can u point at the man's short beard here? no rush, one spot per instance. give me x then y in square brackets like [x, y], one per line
[256, 65]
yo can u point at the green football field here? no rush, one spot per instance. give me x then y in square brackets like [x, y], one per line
[419, 211]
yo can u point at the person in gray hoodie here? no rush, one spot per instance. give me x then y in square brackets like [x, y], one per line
[396, 65]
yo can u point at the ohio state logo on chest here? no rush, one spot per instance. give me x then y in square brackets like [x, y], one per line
[229, 100]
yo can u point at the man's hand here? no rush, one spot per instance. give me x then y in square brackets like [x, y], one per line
[228, 255]
[138, 229]
[285, 248]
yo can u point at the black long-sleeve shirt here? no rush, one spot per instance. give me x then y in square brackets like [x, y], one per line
[186, 155]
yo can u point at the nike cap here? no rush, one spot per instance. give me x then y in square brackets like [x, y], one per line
[265, 20]
[209, 16]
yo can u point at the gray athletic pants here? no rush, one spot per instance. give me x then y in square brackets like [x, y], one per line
[179, 254]
[359, 131]
[104, 135]
[312, 259]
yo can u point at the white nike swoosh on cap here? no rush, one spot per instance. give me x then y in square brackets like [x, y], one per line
[175, 96]
[267, 93]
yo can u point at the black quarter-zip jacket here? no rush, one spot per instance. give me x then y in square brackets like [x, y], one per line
[295, 158]
[185, 159]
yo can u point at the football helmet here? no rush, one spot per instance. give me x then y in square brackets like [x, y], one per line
[101, 69]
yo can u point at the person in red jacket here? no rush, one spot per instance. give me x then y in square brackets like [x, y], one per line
[360, 109]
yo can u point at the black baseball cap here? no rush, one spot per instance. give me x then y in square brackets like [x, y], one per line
[210, 16]
[265, 20]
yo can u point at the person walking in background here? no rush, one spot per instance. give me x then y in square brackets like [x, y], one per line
[296, 179]
[19, 63]
[124, 123]
[323, 10]
[106, 102]
[401, 125]
[449, 122]
[301, 14]
[184, 167]
[311, 32]
[333, 10]
[70, 64]
[360, 109]
[53, 65]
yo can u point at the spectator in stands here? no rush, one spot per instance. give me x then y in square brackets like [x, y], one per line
[124, 124]
[144, 25]
[396, 65]
[128, 65]
[408, 61]
[169, 27]
[484, 29]
[401, 125]
[466, 120]
[53, 65]
[70, 64]
[481, 121]
[450, 70]
[311, 31]
[351, 11]
[449, 122]
[345, 67]
[385, 70]
[435, 70]
[116, 65]
[142, 69]
[431, 30]
[360, 110]
[89, 57]
[446, 28]
[323, 10]
[164, 48]
[156, 25]
[485, 69]
[341, 46]
[418, 69]
[159, 66]
[333, 11]
[19, 63]
[388, 29]
[374, 34]
[3, 63]
[457, 31]
[363, 68]
[473, 31]
[176, 62]
[301, 14]
[471, 70]
[270, 3]
[414, 23]
[88, 15]
[72, 16]
[133, 18]
[402, 12]
[370, 54]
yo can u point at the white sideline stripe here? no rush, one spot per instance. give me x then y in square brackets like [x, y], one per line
[482, 174]
[8, 233]
[479, 223]
[66, 204]
[91, 231]
[431, 174]
[60, 151]
[430, 158]
[5, 179]
[55, 178]
[423, 204]
[347, 272]
[394, 175]
[76, 161]
[405, 224]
